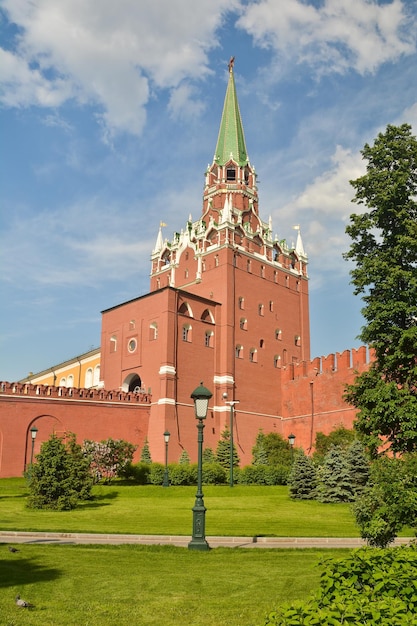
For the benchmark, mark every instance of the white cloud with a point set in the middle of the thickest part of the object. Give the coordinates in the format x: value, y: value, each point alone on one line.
x: 339, y: 35
x: 107, y: 54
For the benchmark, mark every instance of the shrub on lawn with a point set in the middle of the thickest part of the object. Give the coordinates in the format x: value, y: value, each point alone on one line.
x: 263, y: 475
x: 180, y: 474
x: 156, y: 473
x: 214, y: 474
x: 61, y: 475
x: 138, y: 472
x: 371, y: 586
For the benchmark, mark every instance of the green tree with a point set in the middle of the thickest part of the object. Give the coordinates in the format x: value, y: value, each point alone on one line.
x: 359, y: 467
x: 384, y: 251
x: 223, y: 451
x: 209, y: 455
x: 335, y: 484
x: 302, y: 480
x: 340, y: 437
x: 145, y: 455
x: 271, y: 449
x: 391, y: 502
x: 61, y: 475
x: 259, y: 453
x: 184, y: 458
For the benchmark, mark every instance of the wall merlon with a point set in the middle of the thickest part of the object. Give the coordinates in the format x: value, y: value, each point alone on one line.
x: 73, y: 393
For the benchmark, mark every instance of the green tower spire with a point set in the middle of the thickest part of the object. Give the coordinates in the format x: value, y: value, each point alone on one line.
x: 231, y: 140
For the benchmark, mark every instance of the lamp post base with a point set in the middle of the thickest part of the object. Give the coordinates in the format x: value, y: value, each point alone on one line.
x: 198, y: 540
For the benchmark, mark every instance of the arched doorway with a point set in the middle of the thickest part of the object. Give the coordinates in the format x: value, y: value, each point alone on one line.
x: 132, y: 383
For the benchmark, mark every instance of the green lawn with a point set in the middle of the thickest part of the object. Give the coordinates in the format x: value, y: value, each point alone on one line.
x: 151, y: 586
x: 237, y: 511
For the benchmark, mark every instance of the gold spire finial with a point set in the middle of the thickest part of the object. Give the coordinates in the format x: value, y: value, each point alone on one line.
x: 231, y: 63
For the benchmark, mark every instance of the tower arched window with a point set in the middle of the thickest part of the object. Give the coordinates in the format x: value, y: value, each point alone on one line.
x: 209, y: 339
x: 241, y: 303
x: 261, y: 309
x: 153, y: 331
x: 277, y: 361
x: 278, y: 334
x: 243, y: 323
x: 239, y: 351
x: 253, y: 355
x: 185, y: 309
x: 113, y: 343
x: 186, y: 333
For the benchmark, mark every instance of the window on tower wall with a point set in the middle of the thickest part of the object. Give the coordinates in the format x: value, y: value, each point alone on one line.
x: 297, y: 340
x: 243, y: 323
x: 278, y: 334
x: 239, y: 351
x: 241, y: 303
x: 253, y: 355
x: 113, y: 343
x: 153, y: 331
x: 277, y: 361
x: 230, y: 174
x: 261, y: 309
x: 208, y: 340
x: 186, y: 333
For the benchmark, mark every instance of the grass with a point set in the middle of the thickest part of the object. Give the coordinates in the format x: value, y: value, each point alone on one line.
x: 131, y: 509
x: 151, y: 586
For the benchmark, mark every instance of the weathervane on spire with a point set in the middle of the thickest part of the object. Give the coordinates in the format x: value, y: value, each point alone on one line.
x: 231, y: 63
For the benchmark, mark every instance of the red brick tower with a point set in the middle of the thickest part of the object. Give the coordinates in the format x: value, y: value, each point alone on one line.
x: 228, y: 305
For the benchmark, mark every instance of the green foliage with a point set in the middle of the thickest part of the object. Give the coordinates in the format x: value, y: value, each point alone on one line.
x: 359, y: 467
x: 108, y: 458
x: 263, y: 475
x: 184, y: 458
x: 182, y: 474
x: 384, y: 251
x: 145, y: 455
x: 334, y: 478
x: 302, y: 480
x: 208, y: 456
x: 391, y: 502
x: 156, y: 474
x: 214, y: 474
x: 61, y: 475
x: 371, y: 586
x: 340, y: 437
x: 137, y: 472
x: 223, y: 451
x: 271, y: 449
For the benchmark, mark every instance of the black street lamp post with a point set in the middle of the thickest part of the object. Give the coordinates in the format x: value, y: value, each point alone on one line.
x: 231, y: 403
x: 33, y: 432
x: 291, y: 441
x: 166, y: 477
x: 201, y: 397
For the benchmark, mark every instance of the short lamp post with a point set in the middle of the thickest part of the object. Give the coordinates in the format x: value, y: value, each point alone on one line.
x: 33, y: 433
x: 201, y: 397
x: 166, y: 477
x: 291, y: 441
x: 231, y: 403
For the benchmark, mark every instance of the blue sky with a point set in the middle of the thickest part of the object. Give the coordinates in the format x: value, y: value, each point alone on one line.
x: 110, y: 113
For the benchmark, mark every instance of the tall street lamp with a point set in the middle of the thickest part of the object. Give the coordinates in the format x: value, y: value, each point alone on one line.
x: 291, y: 441
x: 231, y: 403
x: 166, y: 477
x: 33, y: 433
x: 201, y: 397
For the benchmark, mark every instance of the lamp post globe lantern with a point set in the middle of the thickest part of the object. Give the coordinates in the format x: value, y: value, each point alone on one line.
x: 167, y: 435
x: 201, y: 396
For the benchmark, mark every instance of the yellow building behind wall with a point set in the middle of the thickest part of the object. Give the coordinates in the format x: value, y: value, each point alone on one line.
x: 83, y: 371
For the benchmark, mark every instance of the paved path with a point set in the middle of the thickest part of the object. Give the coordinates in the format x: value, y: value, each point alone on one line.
x: 182, y: 541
